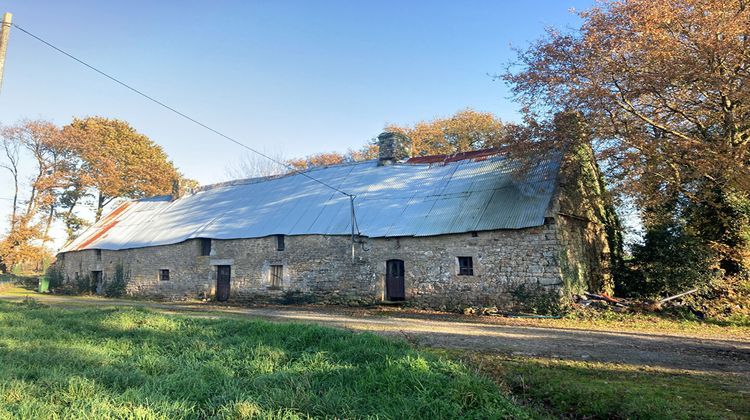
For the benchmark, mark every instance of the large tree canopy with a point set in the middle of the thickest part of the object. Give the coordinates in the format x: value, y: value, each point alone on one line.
x: 55, y: 170
x: 117, y: 161
x: 665, y: 88
x: 464, y: 131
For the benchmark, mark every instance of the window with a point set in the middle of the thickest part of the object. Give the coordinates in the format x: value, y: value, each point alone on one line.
x: 276, y: 276
x: 164, y: 275
x: 205, y: 247
x: 279, y: 242
x: 465, y: 266
x: 474, y: 234
x: 98, y: 254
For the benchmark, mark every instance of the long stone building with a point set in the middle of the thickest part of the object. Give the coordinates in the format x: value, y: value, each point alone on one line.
x: 477, y: 228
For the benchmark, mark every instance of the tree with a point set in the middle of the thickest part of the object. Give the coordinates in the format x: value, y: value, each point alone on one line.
x: 252, y: 165
x: 28, y: 233
x: 317, y: 160
x: 20, y: 244
x: 117, y: 161
x: 466, y: 130
x: 665, y: 89
x: 11, y: 162
x: 366, y: 152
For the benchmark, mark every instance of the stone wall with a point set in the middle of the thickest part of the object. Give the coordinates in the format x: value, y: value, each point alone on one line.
x: 584, y: 215
x: 320, y: 268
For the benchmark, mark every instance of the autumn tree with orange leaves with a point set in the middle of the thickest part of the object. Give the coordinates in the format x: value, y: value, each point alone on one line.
x: 664, y: 87
x: 97, y: 157
x: 117, y: 161
x: 41, y: 145
x: 464, y: 131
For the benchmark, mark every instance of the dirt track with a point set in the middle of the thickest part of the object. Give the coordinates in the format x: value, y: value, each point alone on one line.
x: 642, y: 349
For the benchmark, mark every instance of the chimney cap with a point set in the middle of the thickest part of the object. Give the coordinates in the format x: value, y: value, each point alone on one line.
x: 393, y: 147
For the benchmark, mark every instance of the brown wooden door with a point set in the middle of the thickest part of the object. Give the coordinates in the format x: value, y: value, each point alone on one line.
x: 223, y: 274
x: 97, y: 280
x: 394, y: 280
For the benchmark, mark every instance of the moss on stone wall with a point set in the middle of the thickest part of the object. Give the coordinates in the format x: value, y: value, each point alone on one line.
x: 589, y: 229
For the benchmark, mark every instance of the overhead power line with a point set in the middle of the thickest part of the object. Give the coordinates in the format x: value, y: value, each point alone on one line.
x: 181, y: 114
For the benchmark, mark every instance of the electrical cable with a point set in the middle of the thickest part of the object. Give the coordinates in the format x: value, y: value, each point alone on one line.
x: 181, y: 114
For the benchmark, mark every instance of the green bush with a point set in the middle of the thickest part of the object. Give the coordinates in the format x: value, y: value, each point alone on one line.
x: 296, y: 297
x: 670, y: 260
x: 118, y: 285
x: 726, y: 298
x: 84, y: 284
x: 537, y: 299
x: 55, y: 276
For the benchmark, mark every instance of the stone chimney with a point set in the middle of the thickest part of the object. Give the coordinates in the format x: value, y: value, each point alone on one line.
x: 175, y: 189
x: 394, y: 147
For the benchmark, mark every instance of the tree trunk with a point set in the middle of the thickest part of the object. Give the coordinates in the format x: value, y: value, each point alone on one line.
x: 15, y: 201
x: 48, y: 223
x: 99, y: 207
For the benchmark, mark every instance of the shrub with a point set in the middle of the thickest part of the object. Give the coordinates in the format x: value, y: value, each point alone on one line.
x: 723, y: 298
x: 537, y: 299
x: 670, y: 260
x: 84, y: 284
x: 296, y: 297
x: 55, y: 276
x: 119, y: 283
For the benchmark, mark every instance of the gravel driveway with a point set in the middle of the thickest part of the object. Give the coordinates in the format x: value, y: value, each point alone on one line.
x: 642, y: 349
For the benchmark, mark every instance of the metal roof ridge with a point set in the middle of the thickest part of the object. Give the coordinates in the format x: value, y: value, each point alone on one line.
x: 259, y: 179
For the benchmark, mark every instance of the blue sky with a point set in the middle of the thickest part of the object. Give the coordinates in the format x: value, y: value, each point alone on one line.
x: 283, y: 76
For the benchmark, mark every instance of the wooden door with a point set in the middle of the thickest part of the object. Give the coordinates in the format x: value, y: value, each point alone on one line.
x: 223, y: 274
x: 97, y: 280
x: 394, y: 280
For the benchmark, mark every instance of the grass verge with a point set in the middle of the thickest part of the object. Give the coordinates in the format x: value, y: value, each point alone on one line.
x: 104, y: 363
x: 576, y: 389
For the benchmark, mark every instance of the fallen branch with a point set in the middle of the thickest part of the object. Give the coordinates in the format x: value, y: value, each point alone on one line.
x: 607, y: 299
x: 678, y: 296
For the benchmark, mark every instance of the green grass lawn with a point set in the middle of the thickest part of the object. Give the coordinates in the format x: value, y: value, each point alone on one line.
x: 131, y: 363
x: 90, y: 362
x: 578, y: 389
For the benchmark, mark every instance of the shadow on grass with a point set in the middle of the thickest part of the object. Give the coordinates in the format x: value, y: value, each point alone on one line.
x: 115, y: 362
x: 26, y: 283
x: 605, y: 390
x: 634, y: 348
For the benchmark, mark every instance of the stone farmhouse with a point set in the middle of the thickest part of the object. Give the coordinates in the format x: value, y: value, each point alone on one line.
x: 445, y: 232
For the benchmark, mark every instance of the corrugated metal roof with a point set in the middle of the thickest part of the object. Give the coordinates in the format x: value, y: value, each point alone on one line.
x: 405, y: 199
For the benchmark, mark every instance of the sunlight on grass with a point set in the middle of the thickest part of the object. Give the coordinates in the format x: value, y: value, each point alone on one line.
x: 100, y: 363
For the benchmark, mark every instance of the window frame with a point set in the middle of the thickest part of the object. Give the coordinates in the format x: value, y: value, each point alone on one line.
x: 206, y: 246
x: 276, y: 276
x: 280, y: 242
x: 163, y: 271
x: 465, y: 265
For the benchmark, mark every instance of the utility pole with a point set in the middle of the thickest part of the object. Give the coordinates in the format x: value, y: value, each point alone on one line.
x: 4, y: 34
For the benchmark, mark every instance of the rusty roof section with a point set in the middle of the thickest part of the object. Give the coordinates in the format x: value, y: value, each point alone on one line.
x: 473, y: 155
